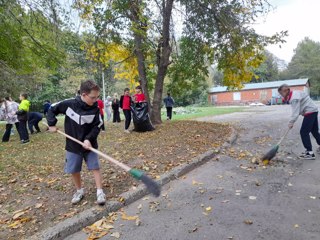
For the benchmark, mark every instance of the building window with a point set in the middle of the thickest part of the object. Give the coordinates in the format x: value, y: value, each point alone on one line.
x: 236, y: 96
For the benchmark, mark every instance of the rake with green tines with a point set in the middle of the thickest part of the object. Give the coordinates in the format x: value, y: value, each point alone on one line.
x: 152, y: 186
x: 273, y: 151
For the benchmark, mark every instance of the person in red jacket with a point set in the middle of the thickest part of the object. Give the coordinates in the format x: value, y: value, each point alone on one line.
x: 101, y: 108
x: 139, y: 96
x: 125, y: 103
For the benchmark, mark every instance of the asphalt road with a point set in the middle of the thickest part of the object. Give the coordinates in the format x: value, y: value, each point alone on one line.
x: 226, y: 200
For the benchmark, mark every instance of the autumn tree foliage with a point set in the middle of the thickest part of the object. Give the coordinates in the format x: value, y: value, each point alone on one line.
x: 220, y: 31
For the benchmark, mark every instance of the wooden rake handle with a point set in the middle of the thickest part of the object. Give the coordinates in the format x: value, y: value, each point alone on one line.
x: 101, y: 154
x: 283, y: 137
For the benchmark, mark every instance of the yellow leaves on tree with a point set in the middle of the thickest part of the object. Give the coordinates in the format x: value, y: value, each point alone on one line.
x: 238, y: 67
x: 119, y: 57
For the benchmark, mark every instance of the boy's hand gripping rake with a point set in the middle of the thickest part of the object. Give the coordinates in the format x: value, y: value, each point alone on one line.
x: 273, y: 151
x: 151, y: 185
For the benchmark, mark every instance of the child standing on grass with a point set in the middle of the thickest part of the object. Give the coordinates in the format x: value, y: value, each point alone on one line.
x: 83, y: 122
x: 302, y: 104
x: 107, y: 105
x: 125, y: 103
x: 22, y: 113
x: 9, y: 109
x: 169, y: 102
x: 115, y: 108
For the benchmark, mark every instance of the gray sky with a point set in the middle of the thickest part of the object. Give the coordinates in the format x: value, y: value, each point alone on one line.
x: 300, y: 17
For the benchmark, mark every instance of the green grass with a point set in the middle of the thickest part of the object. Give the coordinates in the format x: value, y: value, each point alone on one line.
x: 197, y: 112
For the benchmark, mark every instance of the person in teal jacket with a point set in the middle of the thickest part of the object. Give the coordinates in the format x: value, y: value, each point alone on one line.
x: 22, y: 113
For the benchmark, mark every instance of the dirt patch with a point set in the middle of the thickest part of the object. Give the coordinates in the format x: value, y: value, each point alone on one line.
x: 36, y: 194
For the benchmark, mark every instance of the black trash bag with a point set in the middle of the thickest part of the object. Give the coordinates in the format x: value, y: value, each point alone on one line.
x: 141, y: 119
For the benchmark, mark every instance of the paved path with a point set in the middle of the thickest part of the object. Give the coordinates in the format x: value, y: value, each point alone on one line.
x: 281, y: 201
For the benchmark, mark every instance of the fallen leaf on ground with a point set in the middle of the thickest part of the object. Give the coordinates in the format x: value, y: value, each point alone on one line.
x: 67, y: 215
x: 102, y: 224
x: 193, y: 230
x: 249, y: 222
x: 38, y: 205
x: 252, y: 197
x: 115, y: 235
x: 97, y: 235
x: 195, y: 183
x: 254, y: 160
x: 18, y: 215
x: 296, y: 225
x: 98, y: 229
x: 12, y: 181
x: 18, y: 223
x: 313, y: 197
x: 138, y: 222
x: 139, y: 207
x: 208, y: 209
x: 129, y: 218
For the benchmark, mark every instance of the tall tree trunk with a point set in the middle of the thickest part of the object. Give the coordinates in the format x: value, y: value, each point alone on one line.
x: 141, y: 65
x: 139, y: 32
x: 163, y: 61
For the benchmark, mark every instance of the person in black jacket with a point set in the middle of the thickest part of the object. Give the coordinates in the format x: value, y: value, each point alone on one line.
x: 83, y: 122
x: 169, y: 103
x: 115, y: 108
x: 33, y: 121
x: 125, y: 104
x: 46, y: 107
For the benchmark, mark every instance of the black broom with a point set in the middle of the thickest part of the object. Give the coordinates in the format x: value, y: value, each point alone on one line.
x: 273, y: 151
x: 151, y: 185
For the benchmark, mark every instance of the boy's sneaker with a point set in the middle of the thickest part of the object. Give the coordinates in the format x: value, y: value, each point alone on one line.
x: 101, y: 198
x: 77, y: 197
x: 25, y: 141
x: 126, y: 131
x: 307, y: 156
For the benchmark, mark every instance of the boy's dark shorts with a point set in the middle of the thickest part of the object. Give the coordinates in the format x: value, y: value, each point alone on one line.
x: 74, y: 161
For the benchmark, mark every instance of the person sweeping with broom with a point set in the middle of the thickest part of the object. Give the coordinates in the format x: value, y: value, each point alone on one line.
x: 302, y: 104
x: 82, y: 122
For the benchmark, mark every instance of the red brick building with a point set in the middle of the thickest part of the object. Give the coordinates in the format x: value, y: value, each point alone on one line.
x: 254, y: 92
